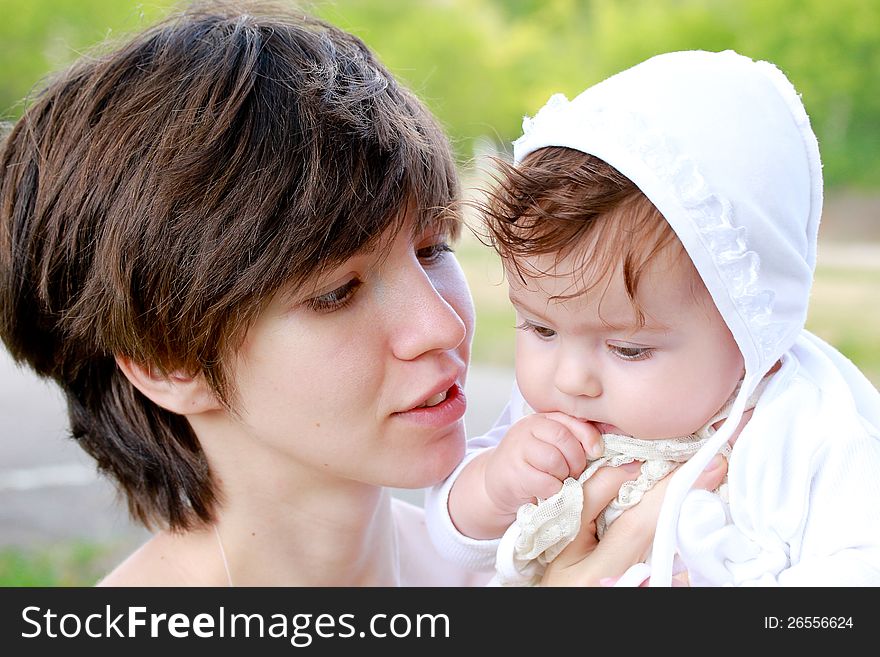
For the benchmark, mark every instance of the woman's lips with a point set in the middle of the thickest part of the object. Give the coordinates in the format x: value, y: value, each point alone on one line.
x: 447, y: 412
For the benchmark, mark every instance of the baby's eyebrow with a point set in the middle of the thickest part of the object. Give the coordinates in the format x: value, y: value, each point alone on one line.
x: 519, y: 303
x: 629, y: 326
x: 633, y: 326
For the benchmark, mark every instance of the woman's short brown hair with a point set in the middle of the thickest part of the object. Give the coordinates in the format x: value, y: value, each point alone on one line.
x: 559, y: 200
x: 153, y: 198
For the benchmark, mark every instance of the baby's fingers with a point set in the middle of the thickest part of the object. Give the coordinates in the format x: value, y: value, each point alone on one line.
x: 556, y: 449
x: 584, y: 432
x: 535, y: 483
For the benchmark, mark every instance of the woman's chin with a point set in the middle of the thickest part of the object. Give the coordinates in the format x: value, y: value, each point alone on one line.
x: 430, y: 467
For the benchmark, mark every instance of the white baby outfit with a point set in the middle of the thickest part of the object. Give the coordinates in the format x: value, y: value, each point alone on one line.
x: 723, y: 147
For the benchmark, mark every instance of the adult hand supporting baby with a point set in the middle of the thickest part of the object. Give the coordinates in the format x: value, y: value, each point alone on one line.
x: 586, y: 560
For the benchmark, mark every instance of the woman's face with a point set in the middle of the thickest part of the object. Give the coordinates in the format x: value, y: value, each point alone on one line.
x: 335, y: 378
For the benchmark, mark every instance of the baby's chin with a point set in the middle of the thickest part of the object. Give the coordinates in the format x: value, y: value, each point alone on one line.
x: 606, y: 429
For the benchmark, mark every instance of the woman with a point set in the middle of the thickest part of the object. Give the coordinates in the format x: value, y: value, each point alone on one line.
x: 228, y: 242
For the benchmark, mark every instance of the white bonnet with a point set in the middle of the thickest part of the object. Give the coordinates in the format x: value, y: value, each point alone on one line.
x: 723, y: 148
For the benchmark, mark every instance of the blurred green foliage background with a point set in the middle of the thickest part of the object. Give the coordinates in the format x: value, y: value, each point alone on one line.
x: 482, y: 64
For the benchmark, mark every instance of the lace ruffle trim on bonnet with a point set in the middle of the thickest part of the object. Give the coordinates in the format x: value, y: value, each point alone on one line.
x: 709, y: 212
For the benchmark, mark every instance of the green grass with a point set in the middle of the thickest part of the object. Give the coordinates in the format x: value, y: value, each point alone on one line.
x: 70, y: 563
x: 845, y: 311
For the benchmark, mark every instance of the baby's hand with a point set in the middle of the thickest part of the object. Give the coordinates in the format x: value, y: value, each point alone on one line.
x: 537, y: 454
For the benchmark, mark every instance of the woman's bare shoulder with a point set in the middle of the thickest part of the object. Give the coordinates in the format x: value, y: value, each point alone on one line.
x: 420, y: 563
x: 166, y: 559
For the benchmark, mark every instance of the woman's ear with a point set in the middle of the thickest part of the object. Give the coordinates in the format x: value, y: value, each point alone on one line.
x: 177, y: 392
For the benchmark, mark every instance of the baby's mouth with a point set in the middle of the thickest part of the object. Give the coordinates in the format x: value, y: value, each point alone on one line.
x: 604, y: 427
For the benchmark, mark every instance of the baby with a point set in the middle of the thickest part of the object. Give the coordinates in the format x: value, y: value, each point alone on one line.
x: 659, y: 237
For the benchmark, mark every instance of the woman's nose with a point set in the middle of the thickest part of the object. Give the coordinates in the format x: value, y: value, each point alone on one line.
x: 426, y: 321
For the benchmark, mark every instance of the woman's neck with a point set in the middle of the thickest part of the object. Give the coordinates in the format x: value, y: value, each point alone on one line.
x: 284, y: 520
x: 330, y: 533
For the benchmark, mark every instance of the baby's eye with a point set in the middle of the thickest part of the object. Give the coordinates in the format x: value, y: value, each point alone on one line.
x: 540, y: 331
x: 433, y: 253
x: 335, y: 299
x: 630, y: 353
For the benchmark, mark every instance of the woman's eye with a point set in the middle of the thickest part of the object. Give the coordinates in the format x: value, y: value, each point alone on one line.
x: 631, y: 353
x: 335, y: 299
x: 433, y: 253
x: 540, y: 331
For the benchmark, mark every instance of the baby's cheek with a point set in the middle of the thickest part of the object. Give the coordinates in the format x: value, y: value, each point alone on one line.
x: 531, y: 385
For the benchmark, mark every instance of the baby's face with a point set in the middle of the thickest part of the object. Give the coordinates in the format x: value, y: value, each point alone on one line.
x: 588, y: 357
